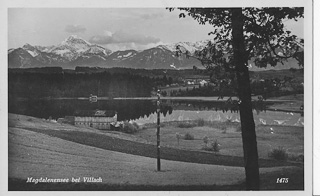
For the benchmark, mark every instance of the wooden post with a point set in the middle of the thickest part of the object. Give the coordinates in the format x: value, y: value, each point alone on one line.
x: 158, y: 132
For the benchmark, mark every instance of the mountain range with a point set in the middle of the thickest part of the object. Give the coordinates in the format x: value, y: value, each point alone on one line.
x: 75, y: 51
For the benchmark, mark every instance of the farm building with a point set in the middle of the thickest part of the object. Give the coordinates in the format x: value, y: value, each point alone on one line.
x: 99, y: 119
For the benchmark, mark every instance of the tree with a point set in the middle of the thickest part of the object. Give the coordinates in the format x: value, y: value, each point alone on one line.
x: 242, y: 34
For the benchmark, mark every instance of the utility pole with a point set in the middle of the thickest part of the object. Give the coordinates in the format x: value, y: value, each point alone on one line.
x: 158, y: 132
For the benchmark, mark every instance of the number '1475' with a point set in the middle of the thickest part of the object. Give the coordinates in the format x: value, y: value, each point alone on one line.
x: 282, y: 180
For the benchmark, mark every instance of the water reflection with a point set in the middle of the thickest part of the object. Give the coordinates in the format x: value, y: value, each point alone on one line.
x: 144, y: 111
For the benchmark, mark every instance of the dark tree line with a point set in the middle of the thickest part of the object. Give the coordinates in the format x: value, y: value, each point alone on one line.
x: 30, y: 85
x: 45, y: 108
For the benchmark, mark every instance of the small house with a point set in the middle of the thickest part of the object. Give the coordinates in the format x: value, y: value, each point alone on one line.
x: 98, y: 119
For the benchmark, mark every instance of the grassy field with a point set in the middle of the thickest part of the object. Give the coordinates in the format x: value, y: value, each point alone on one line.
x: 268, y: 182
x: 43, y: 148
x: 228, y: 136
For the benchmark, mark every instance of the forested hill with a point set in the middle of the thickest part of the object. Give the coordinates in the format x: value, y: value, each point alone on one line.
x: 36, y: 85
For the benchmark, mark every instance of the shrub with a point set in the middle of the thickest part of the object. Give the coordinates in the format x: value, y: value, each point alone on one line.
x: 215, y: 146
x: 188, y: 136
x: 200, y: 122
x: 205, y: 139
x: 185, y: 125
x: 130, y: 127
x: 278, y: 154
x: 212, y: 146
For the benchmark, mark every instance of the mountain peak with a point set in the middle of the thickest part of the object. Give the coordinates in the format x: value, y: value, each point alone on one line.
x: 27, y: 46
x: 74, y: 39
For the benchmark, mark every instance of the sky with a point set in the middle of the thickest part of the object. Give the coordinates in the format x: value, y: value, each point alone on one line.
x: 113, y: 28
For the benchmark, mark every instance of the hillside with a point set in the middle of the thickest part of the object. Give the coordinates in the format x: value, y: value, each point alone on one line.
x: 34, y: 154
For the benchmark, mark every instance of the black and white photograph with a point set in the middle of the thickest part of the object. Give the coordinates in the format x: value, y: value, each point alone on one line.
x: 160, y: 97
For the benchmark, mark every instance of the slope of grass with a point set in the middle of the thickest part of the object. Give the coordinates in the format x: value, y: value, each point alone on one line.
x: 268, y: 181
x: 148, y: 150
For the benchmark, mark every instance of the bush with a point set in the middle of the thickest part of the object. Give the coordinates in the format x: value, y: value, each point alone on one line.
x: 212, y: 146
x: 188, y: 136
x: 215, y: 146
x: 279, y: 154
x: 130, y: 127
x: 185, y: 125
x: 205, y: 139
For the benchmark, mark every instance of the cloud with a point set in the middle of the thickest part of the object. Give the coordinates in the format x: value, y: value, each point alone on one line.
x: 75, y: 29
x: 122, y: 37
x: 131, y: 46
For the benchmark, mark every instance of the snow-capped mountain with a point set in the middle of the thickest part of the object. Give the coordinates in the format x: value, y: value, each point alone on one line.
x: 190, y: 46
x: 75, y: 51
x: 122, y: 55
x: 73, y: 47
x: 72, y: 50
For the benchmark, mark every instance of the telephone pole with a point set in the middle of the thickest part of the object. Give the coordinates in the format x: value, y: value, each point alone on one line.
x: 158, y: 131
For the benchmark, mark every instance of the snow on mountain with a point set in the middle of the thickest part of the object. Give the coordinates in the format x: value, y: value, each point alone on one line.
x: 31, y: 50
x: 95, y: 49
x: 44, y: 48
x: 190, y: 46
x: 122, y: 55
x: 74, y: 51
x: 71, y: 47
x: 10, y: 50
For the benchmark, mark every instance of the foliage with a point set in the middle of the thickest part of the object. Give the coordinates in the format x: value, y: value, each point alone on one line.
x: 130, y: 127
x: 186, y: 124
x: 266, y: 40
x: 79, y: 85
x: 242, y: 34
x: 215, y: 146
x: 264, y: 33
x: 278, y: 154
x: 211, y: 146
x: 205, y: 139
x: 188, y: 136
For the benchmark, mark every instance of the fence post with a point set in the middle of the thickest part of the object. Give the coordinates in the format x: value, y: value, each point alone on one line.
x: 158, y: 132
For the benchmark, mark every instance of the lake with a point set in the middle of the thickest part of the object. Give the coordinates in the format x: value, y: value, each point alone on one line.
x: 144, y: 111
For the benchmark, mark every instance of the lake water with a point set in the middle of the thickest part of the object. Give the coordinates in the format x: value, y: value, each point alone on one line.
x: 144, y: 111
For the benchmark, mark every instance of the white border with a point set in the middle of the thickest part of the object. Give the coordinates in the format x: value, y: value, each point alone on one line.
x: 316, y: 106
x: 4, y: 4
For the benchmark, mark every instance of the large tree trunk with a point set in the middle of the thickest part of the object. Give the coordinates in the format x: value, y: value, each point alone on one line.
x: 244, y: 91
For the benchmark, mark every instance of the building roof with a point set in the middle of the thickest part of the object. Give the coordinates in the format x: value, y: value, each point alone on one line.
x: 95, y: 113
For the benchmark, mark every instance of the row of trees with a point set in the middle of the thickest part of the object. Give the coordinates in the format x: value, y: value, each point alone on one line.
x: 79, y: 85
x: 45, y: 108
x: 266, y: 88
